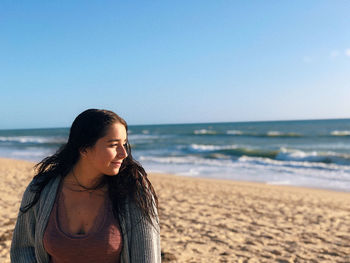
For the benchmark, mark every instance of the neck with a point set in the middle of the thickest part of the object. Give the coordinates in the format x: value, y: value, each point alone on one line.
x: 87, y: 186
x: 82, y: 176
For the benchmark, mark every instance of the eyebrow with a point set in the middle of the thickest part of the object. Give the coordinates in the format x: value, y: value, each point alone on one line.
x: 117, y: 140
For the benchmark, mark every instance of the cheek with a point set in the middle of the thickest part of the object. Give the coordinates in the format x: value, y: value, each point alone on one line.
x: 101, y: 157
x: 108, y: 154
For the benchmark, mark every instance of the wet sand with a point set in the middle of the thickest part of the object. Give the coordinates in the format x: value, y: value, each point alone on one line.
x: 207, y: 220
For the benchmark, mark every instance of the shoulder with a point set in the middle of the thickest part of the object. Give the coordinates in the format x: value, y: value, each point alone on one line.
x: 32, y: 191
x: 28, y: 195
x: 137, y: 217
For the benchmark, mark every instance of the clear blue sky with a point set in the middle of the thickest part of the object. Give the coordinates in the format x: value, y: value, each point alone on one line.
x: 173, y: 61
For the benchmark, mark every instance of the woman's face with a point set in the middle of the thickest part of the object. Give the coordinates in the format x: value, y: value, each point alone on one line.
x: 107, y: 155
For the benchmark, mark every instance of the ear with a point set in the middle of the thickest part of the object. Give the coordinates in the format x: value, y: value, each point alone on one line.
x: 83, y: 152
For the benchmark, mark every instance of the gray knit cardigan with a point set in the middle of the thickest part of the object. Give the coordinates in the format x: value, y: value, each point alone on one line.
x: 141, y: 240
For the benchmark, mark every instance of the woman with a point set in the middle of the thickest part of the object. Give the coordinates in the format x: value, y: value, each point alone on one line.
x: 90, y: 201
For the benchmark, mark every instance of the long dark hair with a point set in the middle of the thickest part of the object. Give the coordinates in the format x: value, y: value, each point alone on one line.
x: 131, y: 180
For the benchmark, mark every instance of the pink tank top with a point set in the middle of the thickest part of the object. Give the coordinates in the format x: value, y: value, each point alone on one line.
x: 103, y: 243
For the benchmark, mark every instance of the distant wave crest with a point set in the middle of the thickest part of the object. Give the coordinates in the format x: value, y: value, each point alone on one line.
x: 314, y: 156
x: 33, y: 139
x: 204, y: 131
x: 234, y: 132
x: 340, y: 133
x: 281, y: 134
x: 261, y: 161
x: 231, y: 150
x: 203, y: 147
x: 249, y: 134
x: 283, y: 154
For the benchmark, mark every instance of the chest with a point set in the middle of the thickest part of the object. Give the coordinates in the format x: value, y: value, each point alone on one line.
x: 79, y: 213
x: 82, y: 228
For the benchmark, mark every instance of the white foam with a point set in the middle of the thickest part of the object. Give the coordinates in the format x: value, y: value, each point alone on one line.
x: 274, y: 133
x: 142, y: 136
x: 30, y: 154
x: 33, y: 139
x: 340, y: 133
x: 296, y: 155
x: 191, y: 172
x: 204, y: 147
x: 281, y: 134
x: 155, y: 171
x: 193, y: 160
x: 313, y: 156
x: 295, y: 164
x: 279, y: 183
x: 246, y: 161
x: 234, y: 132
x: 259, y: 169
x: 204, y: 131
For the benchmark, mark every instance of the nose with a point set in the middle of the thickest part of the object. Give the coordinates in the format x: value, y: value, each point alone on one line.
x: 122, y: 153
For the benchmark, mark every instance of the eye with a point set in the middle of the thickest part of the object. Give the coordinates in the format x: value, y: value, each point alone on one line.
x: 125, y: 145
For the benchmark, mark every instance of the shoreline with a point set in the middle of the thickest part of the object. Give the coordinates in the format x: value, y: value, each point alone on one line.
x: 224, y: 179
x: 247, y: 183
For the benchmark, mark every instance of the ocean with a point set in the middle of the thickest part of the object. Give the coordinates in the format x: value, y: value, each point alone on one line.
x: 312, y: 153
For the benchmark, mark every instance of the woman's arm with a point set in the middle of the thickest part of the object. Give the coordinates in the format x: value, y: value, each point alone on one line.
x: 23, y: 240
x: 145, y: 237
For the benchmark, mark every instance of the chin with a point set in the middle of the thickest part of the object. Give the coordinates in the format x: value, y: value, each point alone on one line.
x: 112, y: 174
x: 115, y: 172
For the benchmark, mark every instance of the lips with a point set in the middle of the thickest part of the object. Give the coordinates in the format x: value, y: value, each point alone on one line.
x: 117, y: 163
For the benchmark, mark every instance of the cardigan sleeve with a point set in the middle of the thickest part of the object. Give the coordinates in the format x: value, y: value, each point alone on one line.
x: 23, y: 240
x: 145, y: 237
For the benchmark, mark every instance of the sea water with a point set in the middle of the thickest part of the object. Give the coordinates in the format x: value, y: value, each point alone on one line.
x: 314, y: 153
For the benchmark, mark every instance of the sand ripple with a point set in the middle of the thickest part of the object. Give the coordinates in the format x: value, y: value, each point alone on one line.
x: 222, y: 221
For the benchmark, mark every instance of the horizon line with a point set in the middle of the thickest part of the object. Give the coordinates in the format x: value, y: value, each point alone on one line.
x: 184, y: 123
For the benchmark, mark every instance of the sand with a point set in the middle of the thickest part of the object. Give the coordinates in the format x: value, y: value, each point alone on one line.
x: 206, y: 220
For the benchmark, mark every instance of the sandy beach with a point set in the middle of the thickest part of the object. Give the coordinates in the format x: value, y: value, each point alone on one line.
x: 206, y: 220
